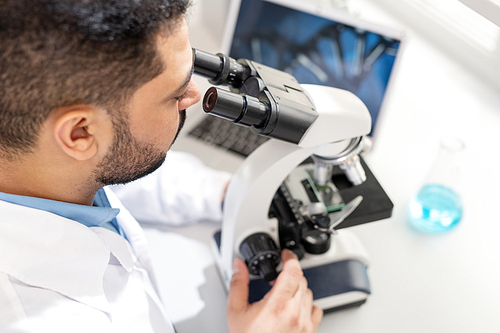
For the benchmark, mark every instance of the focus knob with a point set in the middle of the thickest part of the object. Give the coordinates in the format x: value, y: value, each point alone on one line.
x: 261, y: 255
x: 315, y: 241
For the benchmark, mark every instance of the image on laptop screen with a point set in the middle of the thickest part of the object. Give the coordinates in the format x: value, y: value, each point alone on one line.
x: 316, y: 50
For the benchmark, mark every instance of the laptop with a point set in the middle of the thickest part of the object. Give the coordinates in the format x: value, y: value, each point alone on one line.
x: 315, y: 45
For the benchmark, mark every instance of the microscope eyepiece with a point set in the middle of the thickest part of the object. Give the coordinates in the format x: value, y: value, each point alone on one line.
x: 241, y: 109
x: 220, y: 69
x: 210, y: 100
x: 206, y: 64
x: 269, y: 101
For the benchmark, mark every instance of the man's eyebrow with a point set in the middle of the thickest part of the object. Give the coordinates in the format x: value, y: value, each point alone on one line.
x: 185, y: 83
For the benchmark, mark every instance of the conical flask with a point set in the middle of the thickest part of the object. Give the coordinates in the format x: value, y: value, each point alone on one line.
x: 437, y: 207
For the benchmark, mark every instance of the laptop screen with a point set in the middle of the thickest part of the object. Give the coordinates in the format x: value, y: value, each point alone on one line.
x: 332, y: 49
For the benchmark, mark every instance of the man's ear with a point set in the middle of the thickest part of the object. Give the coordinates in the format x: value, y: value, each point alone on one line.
x: 74, y: 131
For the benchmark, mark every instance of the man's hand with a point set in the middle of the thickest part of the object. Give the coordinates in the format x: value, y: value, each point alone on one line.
x: 287, y: 307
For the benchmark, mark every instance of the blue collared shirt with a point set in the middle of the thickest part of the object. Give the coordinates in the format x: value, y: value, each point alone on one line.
x: 99, y: 215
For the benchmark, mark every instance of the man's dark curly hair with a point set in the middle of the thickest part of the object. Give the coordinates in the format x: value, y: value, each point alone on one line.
x: 56, y: 53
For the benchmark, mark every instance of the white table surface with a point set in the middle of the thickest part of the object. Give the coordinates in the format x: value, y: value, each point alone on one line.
x: 420, y: 282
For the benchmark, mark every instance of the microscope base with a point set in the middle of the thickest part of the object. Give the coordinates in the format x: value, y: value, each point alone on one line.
x: 335, y: 285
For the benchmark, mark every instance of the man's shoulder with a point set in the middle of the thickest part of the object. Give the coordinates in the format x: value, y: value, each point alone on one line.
x: 47, y: 251
x: 21, y: 225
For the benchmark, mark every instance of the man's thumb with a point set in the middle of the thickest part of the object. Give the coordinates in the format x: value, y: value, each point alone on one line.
x: 237, y: 299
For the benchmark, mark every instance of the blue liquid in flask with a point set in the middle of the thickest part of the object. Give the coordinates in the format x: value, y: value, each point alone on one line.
x: 435, y: 209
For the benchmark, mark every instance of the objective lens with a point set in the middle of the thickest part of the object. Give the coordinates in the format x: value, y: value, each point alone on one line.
x: 354, y: 171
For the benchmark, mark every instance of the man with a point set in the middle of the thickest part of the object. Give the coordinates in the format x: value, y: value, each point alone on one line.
x: 93, y: 93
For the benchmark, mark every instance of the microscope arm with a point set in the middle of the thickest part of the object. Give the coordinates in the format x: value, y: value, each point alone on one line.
x: 342, y: 116
x: 327, y: 124
x: 254, y: 184
x: 323, y: 122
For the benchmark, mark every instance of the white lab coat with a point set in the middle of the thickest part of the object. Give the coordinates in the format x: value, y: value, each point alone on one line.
x: 60, y: 276
x: 182, y: 191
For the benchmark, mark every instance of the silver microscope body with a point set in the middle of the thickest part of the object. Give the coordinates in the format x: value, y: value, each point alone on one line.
x: 275, y: 199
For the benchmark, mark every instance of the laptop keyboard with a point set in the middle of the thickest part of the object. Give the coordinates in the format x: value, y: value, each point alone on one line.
x: 224, y: 134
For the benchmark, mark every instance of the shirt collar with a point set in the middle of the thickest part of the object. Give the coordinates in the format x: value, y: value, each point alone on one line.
x: 90, y: 216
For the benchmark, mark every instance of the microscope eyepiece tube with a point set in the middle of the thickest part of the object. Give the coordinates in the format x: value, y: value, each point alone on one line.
x: 206, y: 64
x: 240, y: 109
x: 219, y: 68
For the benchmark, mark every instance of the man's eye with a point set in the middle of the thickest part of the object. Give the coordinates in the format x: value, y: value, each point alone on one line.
x: 180, y: 97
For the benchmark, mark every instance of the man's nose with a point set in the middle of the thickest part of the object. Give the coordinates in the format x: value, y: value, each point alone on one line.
x: 192, y: 96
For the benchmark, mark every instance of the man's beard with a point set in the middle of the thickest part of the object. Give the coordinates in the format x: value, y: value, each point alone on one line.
x: 128, y: 158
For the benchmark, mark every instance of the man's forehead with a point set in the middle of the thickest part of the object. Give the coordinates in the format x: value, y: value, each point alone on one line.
x: 176, y: 54
x: 175, y: 49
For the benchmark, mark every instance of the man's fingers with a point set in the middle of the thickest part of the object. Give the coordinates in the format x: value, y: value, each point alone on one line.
x: 306, y: 295
x: 316, y: 316
x: 238, y: 291
x: 289, y: 279
x: 287, y: 254
x: 302, y: 291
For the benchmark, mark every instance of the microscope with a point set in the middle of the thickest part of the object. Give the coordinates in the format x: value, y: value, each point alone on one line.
x: 300, y: 190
